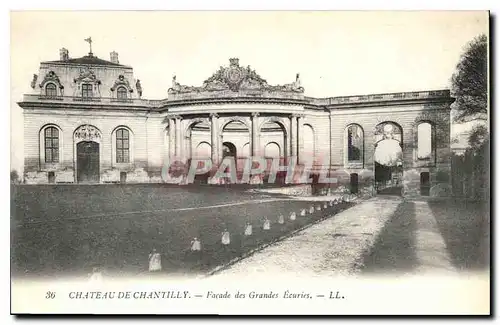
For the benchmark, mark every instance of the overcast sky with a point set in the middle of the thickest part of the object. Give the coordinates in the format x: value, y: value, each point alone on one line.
x: 336, y: 53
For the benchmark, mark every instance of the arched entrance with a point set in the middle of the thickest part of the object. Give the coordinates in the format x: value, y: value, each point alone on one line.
x: 229, y: 150
x: 87, y: 140
x: 276, y: 141
x: 388, y: 158
x: 235, y: 135
x: 198, y: 140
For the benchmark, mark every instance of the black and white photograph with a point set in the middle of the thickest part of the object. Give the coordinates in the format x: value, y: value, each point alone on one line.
x: 250, y: 162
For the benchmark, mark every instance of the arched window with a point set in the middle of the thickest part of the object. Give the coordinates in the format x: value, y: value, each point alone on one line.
x: 51, y: 145
x: 121, y: 93
x: 354, y: 143
x: 51, y: 90
x: 424, y: 141
x: 87, y: 91
x: 122, y: 146
x: 309, y: 141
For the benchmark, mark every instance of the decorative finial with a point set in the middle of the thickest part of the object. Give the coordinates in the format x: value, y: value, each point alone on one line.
x: 89, y: 40
x: 234, y: 61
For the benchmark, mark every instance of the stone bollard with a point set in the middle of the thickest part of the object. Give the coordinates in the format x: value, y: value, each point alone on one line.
x: 318, y: 207
x: 325, y: 205
x: 96, y: 275
x: 248, y: 229
x: 281, y: 219
x: 311, y: 209
x: 154, y: 261
x: 302, y: 212
x: 195, y: 245
x: 292, y: 216
x: 267, y: 224
x: 226, y: 238
x: 331, y: 203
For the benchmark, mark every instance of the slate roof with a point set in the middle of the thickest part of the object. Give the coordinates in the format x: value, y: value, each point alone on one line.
x: 88, y: 59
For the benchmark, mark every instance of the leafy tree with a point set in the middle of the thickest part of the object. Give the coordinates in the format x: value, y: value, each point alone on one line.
x: 470, y: 82
x: 478, y: 136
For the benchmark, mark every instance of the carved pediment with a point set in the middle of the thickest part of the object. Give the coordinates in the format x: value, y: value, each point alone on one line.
x: 122, y: 81
x: 236, y: 78
x: 87, y: 75
x: 51, y: 76
x: 87, y: 133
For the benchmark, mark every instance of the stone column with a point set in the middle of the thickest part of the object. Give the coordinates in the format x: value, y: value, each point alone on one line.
x: 332, y: 143
x: 171, y: 138
x: 293, y: 135
x: 255, y: 135
x: 178, y: 136
x: 300, y: 139
x: 214, y: 132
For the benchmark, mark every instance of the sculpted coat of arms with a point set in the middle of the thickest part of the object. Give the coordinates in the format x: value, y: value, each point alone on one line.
x: 236, y: 78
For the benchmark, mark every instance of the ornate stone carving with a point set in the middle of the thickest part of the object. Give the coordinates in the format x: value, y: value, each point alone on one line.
x: 33, y: 82
x: 87, y: 133
x: 178, y: 88
x: 51, y: 76
x: 121, y: 81
x: 236, y: 78
x: 87, y: 75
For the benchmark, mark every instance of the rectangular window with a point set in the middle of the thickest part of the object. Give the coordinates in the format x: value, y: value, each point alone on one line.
x: 354, y: 144
x: 87, y: 91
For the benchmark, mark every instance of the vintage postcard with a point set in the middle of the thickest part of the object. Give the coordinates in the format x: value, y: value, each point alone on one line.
x: 250, y: 162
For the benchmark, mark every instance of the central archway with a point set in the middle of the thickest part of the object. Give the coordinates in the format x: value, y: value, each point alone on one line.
x: 388, y: 158
x: 235, y: 137
x: 229, y: 150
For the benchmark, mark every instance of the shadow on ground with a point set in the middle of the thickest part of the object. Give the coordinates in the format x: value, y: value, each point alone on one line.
x: 465, y: 228
x: 394, y: 250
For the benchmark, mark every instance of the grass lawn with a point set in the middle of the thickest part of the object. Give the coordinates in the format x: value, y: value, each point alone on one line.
x: 69, y: 229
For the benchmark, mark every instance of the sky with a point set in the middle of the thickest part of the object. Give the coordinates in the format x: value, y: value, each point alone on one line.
x: 337, y: 53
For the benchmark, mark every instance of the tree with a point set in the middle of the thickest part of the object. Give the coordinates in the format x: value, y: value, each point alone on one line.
x: 478, y: 136
x: 470, y: 82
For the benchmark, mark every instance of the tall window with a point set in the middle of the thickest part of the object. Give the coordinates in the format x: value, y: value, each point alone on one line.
x: 354, y: 143
x: 87, y: 90
x: 51, y: 90
x: 51, y: 145
x: 424, y: 141
x: 122, y: 146
x: 121, y: 93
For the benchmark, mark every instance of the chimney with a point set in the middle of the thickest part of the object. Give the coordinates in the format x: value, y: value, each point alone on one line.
x: 64, y: 54
x: 114, y: 57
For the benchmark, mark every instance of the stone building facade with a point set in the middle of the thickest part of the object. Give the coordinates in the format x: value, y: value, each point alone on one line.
x: 85, y: 121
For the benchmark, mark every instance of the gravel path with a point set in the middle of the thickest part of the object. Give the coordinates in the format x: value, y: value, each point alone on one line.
x: 332, y: 247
